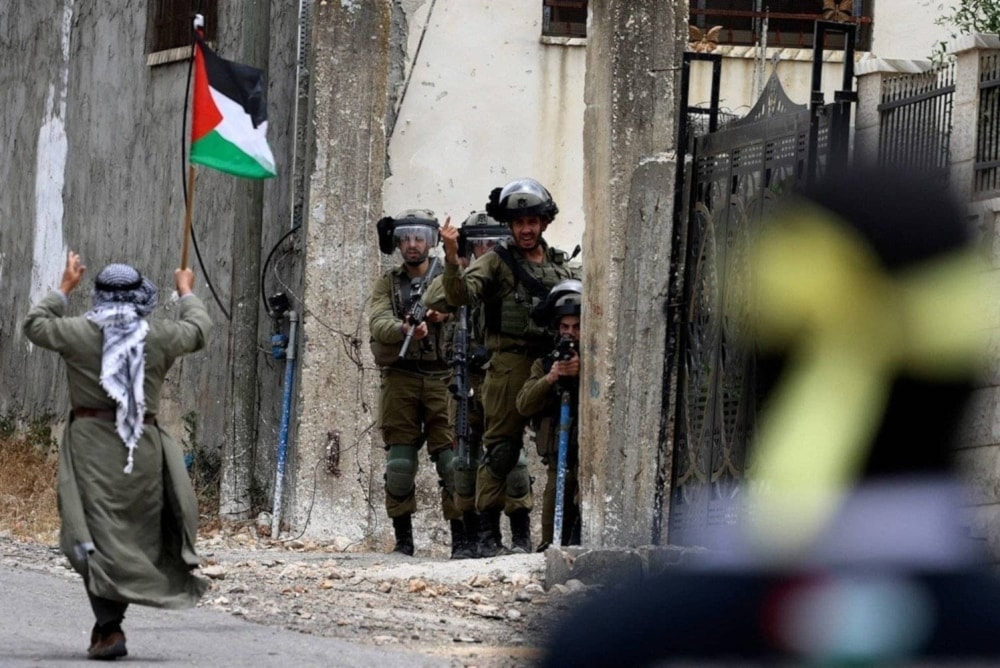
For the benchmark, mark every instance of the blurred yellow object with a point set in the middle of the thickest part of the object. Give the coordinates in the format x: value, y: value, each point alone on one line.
x: 849, y: 328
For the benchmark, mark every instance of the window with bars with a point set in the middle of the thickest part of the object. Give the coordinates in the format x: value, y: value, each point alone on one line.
x: 564, y: 18
x: 787, y: 23
x: 169, y: 23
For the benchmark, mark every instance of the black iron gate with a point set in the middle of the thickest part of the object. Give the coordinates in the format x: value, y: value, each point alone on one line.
x: 735, y: 177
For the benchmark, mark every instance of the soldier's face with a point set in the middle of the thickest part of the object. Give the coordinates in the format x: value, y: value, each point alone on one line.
x: 413, y: 248
x: 527, y: 231
x: 569, y: 325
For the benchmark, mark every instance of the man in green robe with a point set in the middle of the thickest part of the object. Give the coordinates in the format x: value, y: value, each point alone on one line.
x: 129, y: 514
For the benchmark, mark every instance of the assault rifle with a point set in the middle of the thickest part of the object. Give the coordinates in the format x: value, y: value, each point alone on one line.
x: 566, y: 347
x: 460, y: 390
x: 418, y: 309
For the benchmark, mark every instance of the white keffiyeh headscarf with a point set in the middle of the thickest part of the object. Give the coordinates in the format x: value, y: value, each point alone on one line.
x: 122, y: 299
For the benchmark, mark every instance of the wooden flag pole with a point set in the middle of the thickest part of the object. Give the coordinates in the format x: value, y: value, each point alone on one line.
x: 187, y: 217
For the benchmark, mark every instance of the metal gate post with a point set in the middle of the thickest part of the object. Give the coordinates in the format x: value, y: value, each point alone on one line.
x: 840, y: 122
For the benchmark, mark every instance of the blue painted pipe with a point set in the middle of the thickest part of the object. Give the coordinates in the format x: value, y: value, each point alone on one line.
x: 286, y: 413
x: 564, y: 429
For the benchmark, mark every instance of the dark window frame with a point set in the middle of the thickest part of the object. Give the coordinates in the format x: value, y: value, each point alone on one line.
x: 564, y: 18
x: 789, y: 22
x: 169, y: 23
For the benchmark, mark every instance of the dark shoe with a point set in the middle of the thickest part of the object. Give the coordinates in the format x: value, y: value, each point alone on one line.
x: 470, y: 520
x: 490, y: 544
x: 403, y: 526
x: 95, y: 636
x: 461, y: 546
x: 107, y: 643
x: 520, y: 532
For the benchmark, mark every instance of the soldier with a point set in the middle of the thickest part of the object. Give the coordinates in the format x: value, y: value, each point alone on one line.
x: 478, y: 235
x: 508, y: 282
x: 540, y: 398
x: 413, y: 401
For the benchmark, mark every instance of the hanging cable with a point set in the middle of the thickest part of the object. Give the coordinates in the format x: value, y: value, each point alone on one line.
x: 406, y: 85
x: 263, y: 270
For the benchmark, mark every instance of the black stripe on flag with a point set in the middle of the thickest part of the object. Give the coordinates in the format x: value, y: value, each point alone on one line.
x: 244, y: 84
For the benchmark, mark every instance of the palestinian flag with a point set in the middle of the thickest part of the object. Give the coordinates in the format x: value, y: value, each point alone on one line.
x: 229, y: 121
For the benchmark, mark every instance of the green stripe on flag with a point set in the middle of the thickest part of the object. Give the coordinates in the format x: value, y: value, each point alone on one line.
x: 214, y: 151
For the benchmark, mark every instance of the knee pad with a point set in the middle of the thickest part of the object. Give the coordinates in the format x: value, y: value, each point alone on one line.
x: 518, y: 481
x: 502, y: 458
x: 444, y: 462
x: 401, y: 470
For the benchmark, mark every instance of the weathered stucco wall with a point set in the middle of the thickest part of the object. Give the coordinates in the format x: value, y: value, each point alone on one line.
x: 93, y: 136
x: 487, y: 102
x: 634, y: 50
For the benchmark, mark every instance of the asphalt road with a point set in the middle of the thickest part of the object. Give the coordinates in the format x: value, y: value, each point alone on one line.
x: 45, y: 620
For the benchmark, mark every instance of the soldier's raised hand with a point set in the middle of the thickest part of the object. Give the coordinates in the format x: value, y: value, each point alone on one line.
x: 449, y: 235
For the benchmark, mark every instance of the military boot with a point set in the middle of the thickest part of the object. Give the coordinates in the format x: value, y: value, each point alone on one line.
x: 470, y: 519
x: 462, y: 547
x: 490, y: 544
x: 403, y: 527
x: 520, y: 532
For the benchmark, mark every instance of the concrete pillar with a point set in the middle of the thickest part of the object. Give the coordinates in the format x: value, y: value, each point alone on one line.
x: 965, y: 109
x: 634, y: 51
x: 333, y: 475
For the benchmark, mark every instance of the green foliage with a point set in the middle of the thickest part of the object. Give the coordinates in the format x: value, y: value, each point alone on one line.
x: 8, y: 426
x: 36, y: 431
x: 964, y: 18
x: 973, y: 16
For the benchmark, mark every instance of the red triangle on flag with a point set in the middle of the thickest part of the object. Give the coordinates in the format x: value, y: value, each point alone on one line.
x: 205, y: 114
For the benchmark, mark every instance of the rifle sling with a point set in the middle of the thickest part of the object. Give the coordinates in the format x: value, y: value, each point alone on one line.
x: 535, y: 287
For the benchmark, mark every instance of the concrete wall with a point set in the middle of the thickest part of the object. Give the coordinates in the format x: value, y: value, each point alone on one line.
x: 634, y: 51
x: 336, y: 472
x: 93, y: 139
x: 908, y: 29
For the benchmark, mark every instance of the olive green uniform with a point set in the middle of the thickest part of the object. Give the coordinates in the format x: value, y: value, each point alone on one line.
x: 413, y: 399
x: 540, y: 401
x: 514, y: 341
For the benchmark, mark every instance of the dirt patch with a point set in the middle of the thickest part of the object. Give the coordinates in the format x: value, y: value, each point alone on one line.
x: 28, y: 466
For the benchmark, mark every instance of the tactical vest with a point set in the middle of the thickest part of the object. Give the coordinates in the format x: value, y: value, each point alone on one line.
x: 512, y: 316
x: 427, y: 354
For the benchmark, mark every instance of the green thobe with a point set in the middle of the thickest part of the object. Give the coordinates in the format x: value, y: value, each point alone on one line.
x: 132, y: 536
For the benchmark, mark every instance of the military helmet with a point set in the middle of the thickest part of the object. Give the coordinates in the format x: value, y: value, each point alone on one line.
x: 414, y: 223
x: 565, y: 298
x: 521, y: 198
x: 482, y: 232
